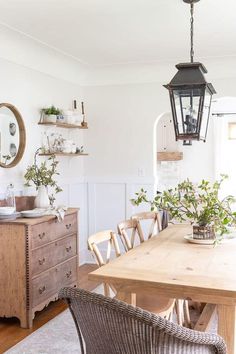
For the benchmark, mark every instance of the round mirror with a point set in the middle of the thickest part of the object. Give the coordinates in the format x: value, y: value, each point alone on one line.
x: 12, y: 135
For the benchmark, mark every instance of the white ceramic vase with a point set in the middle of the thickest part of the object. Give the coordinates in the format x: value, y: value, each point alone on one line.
x: 42, y: 200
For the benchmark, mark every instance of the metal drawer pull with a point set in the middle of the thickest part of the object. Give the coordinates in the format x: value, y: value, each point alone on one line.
x: 42, y: 289
x: 41, y: 236
x: 68, y: 226
x: 68, y: 249
x: 69, y: 274
x: 41, y: 261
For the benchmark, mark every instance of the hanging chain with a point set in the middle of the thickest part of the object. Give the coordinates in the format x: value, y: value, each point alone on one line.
x: 191, y: 31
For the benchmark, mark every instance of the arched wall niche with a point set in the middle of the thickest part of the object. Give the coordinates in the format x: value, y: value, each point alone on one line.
x: 224, y: 112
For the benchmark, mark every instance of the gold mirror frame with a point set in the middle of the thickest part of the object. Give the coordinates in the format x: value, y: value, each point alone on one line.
x: 22, y: 135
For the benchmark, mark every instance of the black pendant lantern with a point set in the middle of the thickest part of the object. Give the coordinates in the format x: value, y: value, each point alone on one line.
x: 190, y: 97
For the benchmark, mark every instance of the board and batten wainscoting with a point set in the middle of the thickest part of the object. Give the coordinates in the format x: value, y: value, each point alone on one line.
x: 109, y: 202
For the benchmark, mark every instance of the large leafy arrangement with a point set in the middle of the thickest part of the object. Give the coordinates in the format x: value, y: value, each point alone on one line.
x: 197, y: 203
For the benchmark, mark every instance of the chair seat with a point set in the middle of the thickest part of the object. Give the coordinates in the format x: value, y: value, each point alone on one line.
x: 156, y: 304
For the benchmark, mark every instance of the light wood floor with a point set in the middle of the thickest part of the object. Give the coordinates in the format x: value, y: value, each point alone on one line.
x: 10, y: 331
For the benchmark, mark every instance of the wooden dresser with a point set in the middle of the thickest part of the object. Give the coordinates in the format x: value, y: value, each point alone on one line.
x: 37, y: 258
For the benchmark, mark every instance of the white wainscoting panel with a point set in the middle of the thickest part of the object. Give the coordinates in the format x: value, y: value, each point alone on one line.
x: 109, y: 203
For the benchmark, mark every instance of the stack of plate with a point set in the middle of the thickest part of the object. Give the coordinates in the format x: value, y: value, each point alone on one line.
x: 8, y: 213
x: 34, y: 213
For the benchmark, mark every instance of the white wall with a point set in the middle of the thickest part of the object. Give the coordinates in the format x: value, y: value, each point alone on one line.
x: 25, y: 51
x: 29, y: 89
x: 122, y: 121
x: 121, y: 111
x: 122, y: 118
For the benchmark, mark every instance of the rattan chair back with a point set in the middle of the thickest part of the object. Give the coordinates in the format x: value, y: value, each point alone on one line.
x: 110, y: 326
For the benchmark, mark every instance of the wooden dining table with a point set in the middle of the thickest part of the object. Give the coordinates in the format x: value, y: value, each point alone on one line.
x: 170, y: 266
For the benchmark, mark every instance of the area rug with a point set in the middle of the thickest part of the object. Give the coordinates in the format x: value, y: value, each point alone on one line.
x: 58, y: 336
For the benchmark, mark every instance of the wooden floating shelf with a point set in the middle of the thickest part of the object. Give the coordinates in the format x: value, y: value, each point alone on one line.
x: 64, y: 125
x: 169, y: 156
x: 63, y: 154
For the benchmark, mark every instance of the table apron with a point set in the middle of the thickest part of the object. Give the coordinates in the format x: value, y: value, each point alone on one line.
x: 176, y: 292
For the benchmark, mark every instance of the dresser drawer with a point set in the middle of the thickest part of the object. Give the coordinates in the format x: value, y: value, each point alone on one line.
x: 53, y: 229
x: 51, y: 254
x: 53, y: 280
x: 43, y: 233
x: 66, y: 226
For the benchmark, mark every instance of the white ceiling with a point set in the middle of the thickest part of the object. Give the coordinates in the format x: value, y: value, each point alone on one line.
x: 108, y: 32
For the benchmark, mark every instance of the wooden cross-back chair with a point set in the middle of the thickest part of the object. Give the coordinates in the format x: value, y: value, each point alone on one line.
x: 155, y: 218
x: 156, y: 304
x: 109, y: 239
x: 136, y: 233
x: 162, y: 306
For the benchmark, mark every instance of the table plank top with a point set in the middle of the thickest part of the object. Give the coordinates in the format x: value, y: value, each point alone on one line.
x: 168, y: 261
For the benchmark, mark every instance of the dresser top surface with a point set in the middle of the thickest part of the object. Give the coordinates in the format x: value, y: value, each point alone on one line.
x: 33, y: 221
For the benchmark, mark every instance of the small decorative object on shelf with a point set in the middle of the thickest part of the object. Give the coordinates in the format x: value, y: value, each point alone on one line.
x: 84, y: 124
x: 198, y: 204
x: 68, y: 118
x: 54, y: 143
x: 50, y: 114
x: 78, y: 118
x: 80, y: 150
x: 42, y: 177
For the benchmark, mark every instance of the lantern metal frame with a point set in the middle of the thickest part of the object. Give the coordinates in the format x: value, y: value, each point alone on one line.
x: 189, y: 82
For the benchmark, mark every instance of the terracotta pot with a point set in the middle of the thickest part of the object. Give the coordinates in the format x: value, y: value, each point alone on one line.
x: 203, y: 232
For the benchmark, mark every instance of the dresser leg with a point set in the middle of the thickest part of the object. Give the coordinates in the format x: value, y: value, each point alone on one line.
x: 26, y: 322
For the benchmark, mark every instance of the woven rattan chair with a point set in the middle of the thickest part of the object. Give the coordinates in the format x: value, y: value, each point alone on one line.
x: 110, y: 326
x: 107, y: 241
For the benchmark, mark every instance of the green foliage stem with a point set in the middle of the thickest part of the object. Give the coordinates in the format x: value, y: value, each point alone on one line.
x: 196, y: 203
x: 51, y: 110
x: 43, y: 174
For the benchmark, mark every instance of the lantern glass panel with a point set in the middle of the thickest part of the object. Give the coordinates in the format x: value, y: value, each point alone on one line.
x: 205, y: 114
x: 187, y: 107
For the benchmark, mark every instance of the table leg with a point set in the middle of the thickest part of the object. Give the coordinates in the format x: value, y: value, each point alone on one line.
x: 129, y: 298
x: 227, y: 326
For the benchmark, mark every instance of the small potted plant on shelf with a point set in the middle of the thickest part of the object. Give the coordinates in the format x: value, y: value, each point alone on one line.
x: 42, y: 177
x: 50, y: 114
x: 198, y: 204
